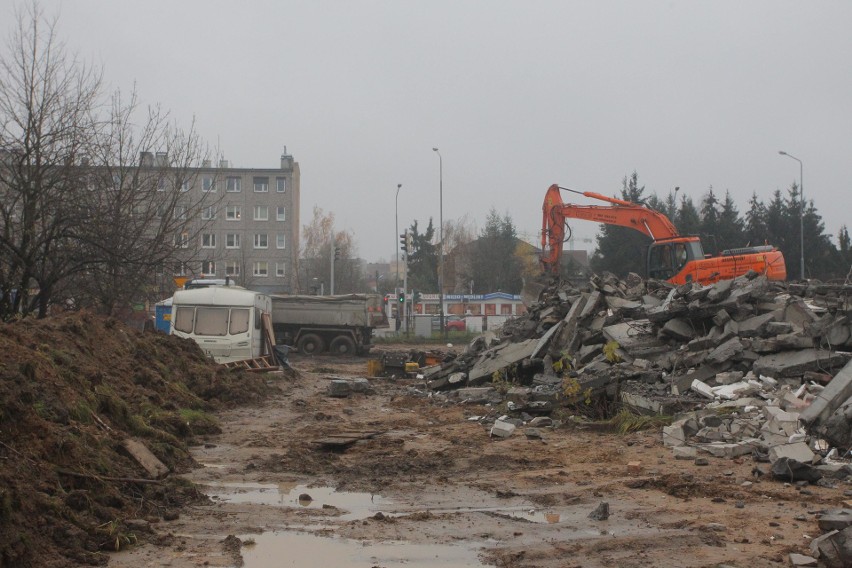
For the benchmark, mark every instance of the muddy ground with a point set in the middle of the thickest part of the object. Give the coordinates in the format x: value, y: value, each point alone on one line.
x: 431, y: 488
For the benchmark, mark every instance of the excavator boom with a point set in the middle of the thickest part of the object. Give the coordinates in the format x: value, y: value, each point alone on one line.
x: 650, y: 223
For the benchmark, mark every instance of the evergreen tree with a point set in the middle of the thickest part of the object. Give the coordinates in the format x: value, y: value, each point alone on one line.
x: 776, y: 227
x: 689, y: 221
x: 709, y: 225
x: 423, y: 260
x: 731, y: 231
x: 755, y: 222
x: 845, y: 254
x: 621, y: 249
x: 495, y: 266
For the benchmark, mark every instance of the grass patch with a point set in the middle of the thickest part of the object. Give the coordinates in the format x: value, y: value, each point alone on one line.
x: 625, y: 422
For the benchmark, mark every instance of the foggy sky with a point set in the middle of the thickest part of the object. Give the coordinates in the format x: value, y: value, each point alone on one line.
x: 517, y: 96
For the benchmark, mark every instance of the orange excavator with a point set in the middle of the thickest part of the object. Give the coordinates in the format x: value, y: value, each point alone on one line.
x: 672, y: 257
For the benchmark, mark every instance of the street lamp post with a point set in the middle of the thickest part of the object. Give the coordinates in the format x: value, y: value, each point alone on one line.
x: 801, y: 211
x: 395, y: 245
x: 441, y: 238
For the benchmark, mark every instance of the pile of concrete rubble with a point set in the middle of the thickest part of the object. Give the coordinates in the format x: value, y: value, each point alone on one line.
x: 744, y: 366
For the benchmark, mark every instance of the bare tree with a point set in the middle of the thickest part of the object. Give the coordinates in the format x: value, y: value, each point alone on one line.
x: 143, y: 209
x: 47, y: 98
x: 315, y: 264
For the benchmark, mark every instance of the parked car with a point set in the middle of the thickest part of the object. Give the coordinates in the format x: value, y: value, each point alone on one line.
x: 451, y: 323
x: 454, y: 323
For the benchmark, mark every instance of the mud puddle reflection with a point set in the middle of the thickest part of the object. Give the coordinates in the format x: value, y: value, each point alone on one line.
x: 353, y: 506
x: 275, y: 549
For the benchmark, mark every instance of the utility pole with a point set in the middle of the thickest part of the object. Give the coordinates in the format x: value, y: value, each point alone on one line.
x: 332, y: 255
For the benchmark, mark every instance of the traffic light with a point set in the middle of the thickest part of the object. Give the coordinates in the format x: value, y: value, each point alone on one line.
x: 401, y: 297
x: 415, y: 296
x: 336, y: 253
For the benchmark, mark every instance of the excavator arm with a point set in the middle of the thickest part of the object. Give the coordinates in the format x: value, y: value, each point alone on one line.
x: 622, y: 213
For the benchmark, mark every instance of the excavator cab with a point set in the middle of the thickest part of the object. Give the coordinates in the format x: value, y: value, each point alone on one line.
x: 668, y: 258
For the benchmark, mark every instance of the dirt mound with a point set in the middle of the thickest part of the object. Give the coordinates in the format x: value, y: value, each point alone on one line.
x: 72, y: 388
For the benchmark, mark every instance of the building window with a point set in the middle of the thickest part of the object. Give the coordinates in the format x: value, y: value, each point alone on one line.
x: 280, y: 240
x: 280, y: 270
x: 182, y: 240
x: 184, y: 186
x: 208, y: 184
x: 208, y: 213
x: 233, y: 213
x: 208, y: 241
x: 232, y: 268
x: 208, y: 268
x: 261, y: 241
x: 180, y: 269
x: 234, y: 185
x: 180, y: 212
x: 232, y: 241
x: 261, y: 212
x: 261, y: 268
x: 116, y: 181
x: 261, y: 184
x: 161, y: 211
x: 161, y: 184
x: 281, y: 185
x: 281, y: 213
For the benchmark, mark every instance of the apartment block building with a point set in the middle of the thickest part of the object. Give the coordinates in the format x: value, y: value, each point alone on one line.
x: 249, y: 226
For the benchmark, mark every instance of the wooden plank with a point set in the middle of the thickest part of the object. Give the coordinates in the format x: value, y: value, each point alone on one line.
x: 143, y: 456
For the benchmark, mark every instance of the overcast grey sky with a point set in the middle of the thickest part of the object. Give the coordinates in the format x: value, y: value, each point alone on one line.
x: 517, y: 95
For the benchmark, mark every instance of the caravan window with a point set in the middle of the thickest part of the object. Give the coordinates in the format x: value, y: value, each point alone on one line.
x: 239, y: 320
x: 211, y: 321
x: 183, y: 319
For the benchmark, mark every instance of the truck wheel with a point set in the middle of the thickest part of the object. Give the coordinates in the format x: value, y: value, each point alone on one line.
x: 311, y: 344
x: 342, y: 345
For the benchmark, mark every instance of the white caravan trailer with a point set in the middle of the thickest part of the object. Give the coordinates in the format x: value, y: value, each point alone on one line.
x: 224, y: 320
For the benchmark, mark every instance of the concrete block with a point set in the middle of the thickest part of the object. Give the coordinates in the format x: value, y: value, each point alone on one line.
x: 731, y: 392
x: 730, y: 450
x: 684, y: 452
x: 502, y: 429
x: 798, y: 451
x: 339, y: 388
x: 703, y: 389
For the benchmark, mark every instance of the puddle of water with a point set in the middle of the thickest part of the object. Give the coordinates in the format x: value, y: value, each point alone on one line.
x: 356, y: 506
x: 276, y: 549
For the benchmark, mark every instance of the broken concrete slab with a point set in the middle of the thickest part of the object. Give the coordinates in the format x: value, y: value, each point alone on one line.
x: 835, y: 551
x: 499, y: 358
x: 798, y: 451
x: 838, y: 391
x: 796, y: 363
x: 755, y: 326
x: 678, y: 329
x: 728, y: 449
x: 726, y: 352
x: 836, y: 520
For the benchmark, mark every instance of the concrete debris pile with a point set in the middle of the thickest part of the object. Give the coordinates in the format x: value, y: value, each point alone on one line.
x: 741, y: 347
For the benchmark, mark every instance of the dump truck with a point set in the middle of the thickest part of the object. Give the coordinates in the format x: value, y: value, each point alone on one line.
x: 342, y: 325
